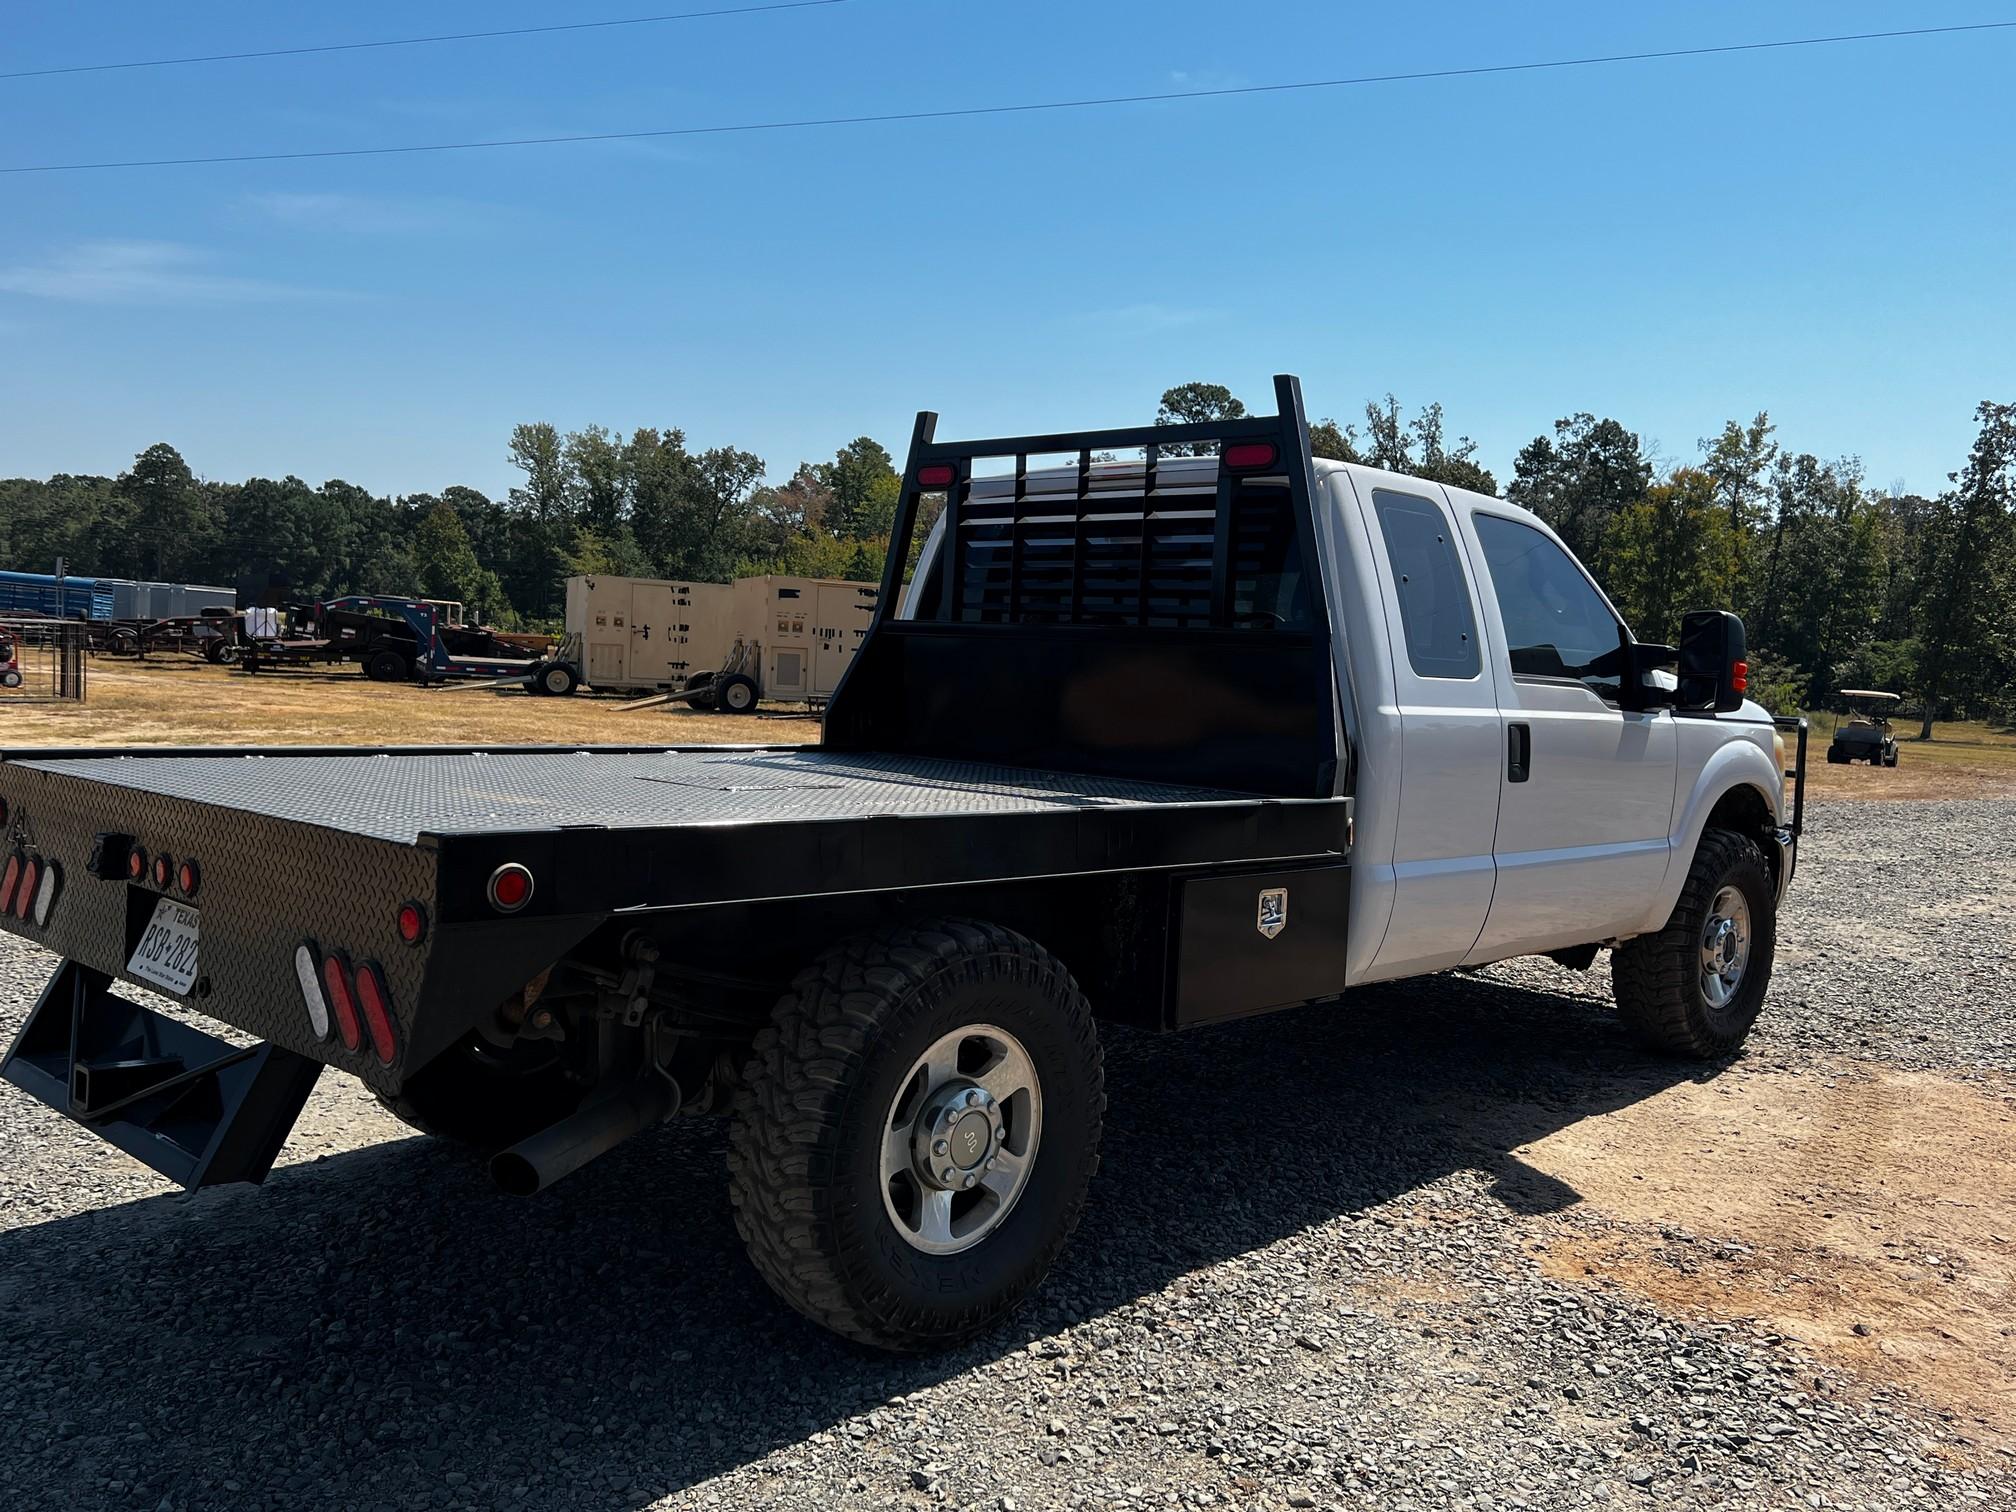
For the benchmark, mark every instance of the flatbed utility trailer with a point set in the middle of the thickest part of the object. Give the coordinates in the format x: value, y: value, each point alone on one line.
x: 1097, y: 756
x: 393, y: 639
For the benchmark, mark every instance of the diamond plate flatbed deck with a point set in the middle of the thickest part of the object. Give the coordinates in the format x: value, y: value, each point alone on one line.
x: 403, y: 796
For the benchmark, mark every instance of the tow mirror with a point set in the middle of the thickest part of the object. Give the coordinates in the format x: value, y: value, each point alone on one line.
x: 1714, y: 661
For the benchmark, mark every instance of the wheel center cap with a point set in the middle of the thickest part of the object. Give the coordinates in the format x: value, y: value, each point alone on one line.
x: 957, y: 1136
x: 972, y: 1137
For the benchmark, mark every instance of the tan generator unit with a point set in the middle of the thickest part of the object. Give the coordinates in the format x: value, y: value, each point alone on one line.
x: 806, y: 629
x: 648, y: 634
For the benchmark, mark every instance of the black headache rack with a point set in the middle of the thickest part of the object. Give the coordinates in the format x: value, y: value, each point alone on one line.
x: 1160, y: 619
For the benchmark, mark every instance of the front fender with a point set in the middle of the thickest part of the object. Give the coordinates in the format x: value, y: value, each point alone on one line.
x: 1734, y: 764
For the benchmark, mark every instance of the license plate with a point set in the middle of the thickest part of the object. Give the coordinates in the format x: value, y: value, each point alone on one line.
x: 166, y: 954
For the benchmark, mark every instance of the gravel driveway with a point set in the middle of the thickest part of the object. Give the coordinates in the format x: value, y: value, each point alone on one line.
x: 1309, y: 1277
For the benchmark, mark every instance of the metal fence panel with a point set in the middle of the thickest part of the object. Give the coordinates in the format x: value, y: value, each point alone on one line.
x: 42, y: 661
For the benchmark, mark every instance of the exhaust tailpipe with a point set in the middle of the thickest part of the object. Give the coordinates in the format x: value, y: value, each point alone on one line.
x: 537, y: 1161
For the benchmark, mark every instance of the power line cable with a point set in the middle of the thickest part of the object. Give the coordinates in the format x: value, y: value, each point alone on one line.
x: 474, y: 36
x: 1028, y: 108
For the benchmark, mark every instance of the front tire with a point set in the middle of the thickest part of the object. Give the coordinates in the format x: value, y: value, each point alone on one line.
x: 556, y: 680
x: 735, y: 694
x: 885, y: 1056
x: 1695, y: 988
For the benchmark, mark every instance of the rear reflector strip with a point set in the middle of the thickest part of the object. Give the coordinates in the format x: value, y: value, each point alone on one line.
x: 371, y: 997
x: 308, y: 971
x: 336, y: 977
x: 45, y: 896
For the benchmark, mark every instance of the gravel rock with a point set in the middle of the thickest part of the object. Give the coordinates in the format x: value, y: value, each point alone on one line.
x: 1259, y: 1310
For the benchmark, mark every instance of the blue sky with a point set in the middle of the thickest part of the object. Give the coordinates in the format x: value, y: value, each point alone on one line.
x: 1826, y: 232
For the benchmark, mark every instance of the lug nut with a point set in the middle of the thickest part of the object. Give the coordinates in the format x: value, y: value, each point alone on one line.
x: 991, y: 1163
x: 948, y: 1174
x: 968, y: 1182
x: 1001, y: 1131
x: 940, y: 1147
x: 972, y: 1096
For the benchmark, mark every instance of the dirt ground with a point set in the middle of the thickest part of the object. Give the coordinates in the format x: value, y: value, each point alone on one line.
x: 1874, y: 1218
x: 181, y: 701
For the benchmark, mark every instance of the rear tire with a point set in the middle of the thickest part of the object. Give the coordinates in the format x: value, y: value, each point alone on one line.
x: 1662, y: 981
x: 556, y: 680
x: 388, y: 666
x: 700, y: 680
x: 485, y: 1098
x: 849, y: 1071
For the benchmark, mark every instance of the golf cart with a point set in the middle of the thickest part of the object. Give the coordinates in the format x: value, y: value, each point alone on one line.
x: 1865, y: 735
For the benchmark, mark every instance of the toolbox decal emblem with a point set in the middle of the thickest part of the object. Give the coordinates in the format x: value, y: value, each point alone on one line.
x: 1273, y: 911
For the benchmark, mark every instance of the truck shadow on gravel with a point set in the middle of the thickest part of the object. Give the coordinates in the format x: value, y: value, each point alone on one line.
x: 381, y: 1328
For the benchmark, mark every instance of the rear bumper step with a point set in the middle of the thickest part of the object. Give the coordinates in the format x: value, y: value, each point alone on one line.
x: 185, y: 1103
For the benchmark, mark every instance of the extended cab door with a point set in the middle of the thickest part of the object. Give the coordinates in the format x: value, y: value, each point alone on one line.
x: 1445, y: 809
x: 1585, y: 803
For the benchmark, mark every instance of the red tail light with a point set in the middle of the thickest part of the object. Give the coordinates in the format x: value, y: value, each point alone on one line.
x: 164, y: 872
x: 136, y: 863
x: 412, y: 923
x: 372, y: 997
x: 189, y: 878
x: 24, y: 899
x: 1244, y: 456
x: 342, y: 1000
x: 936, y: 475
x: 8, y: 879
x: 1739, y: 677
x: 510, y: 887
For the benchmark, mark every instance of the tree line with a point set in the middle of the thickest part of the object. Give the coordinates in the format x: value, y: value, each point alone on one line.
x: 590, y: 500
x: 1839, y: 584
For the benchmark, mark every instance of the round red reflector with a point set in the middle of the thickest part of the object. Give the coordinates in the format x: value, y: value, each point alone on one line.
x: 1249, y: 454
x: 7, y: 880
x: 31, y: 877
x: 189, y: 879
x: 936, y: 475
x: 372, y: 998
x: 412, y: 923
x: 164, y: 871
x: 510, y: 887
x: 336, y: 977
x: 136, y: 863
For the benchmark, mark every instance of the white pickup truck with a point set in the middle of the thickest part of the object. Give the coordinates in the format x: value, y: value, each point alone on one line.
x: 1163, y: 741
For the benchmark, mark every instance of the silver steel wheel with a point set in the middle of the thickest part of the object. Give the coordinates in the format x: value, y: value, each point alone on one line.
x: 1725, y: 946
x: 960, y: 1139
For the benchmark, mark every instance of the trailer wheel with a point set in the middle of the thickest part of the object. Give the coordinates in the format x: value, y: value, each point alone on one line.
x: 1696, y: 987
x: 915, y: 1133
x: 487, y: 1099
x: 735, y: 694
x: 388, y: 666
x: 10, y: 678
x: 700, y: 680
x: 556, y: 679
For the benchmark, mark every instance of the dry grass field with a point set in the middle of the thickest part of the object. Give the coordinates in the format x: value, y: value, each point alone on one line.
x: 171, y: 701
x: 183, y: 702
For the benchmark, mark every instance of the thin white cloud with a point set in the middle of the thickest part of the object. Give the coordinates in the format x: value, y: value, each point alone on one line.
x: 141, y: 272
x: 372, y: 215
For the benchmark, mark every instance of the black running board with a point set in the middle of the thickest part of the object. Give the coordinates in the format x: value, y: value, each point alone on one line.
x: 198, y: 1110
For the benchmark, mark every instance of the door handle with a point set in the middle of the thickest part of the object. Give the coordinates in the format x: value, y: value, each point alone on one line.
x: 1518, y: 752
